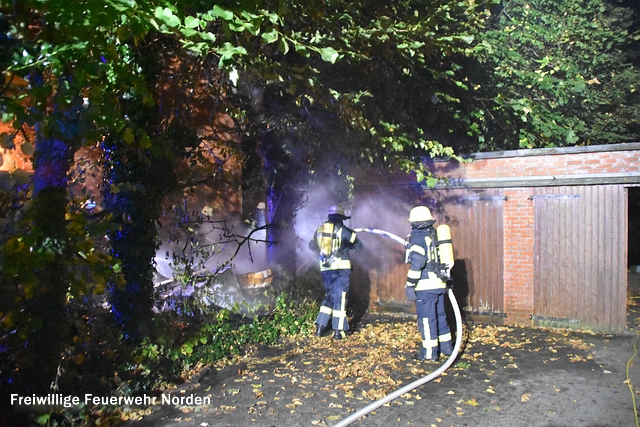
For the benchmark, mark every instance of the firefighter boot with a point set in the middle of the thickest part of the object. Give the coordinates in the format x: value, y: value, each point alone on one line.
x: 421, y: 356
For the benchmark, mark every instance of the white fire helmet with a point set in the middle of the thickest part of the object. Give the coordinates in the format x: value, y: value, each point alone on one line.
x: 420, y: 214
x: 337, y: 210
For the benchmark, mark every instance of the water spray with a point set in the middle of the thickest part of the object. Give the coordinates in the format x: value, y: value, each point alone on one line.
x: 392, y: 236
x: 409, y: 387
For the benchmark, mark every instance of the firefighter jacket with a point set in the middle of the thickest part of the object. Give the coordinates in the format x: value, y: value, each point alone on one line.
x: 422, y: 256
x: 333, y: 241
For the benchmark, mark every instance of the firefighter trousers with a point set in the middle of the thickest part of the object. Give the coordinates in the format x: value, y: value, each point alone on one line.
x: 334, y: 304
x: 432, y: 324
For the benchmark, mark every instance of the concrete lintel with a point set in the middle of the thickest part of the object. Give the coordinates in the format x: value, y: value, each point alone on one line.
x: 628, y: 146
x: 543, y: 181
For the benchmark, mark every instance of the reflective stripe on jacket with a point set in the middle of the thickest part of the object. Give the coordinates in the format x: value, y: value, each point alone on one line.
x: 422, y: 273
x: 346, y: 240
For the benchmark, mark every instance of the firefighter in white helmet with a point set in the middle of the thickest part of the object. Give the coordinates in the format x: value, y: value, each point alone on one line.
x: 426, y: 285
x: 333, y: 241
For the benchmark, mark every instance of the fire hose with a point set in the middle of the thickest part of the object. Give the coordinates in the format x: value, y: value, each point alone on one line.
x: 409, y: 387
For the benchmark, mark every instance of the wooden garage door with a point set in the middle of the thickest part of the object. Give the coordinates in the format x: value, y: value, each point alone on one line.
x: 580, y: 257
x: 475, y: 218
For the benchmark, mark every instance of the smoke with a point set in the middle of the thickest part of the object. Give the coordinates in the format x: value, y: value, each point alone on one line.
x: 385, y: 210
x: 214, y: 246
x: 319, y: 198
x: 374, y: 207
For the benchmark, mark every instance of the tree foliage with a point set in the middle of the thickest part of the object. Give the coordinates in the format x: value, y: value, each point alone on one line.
x: 564, y: 73
x: 395, y: 72
x: 308, y: 90
x: 91, y: 76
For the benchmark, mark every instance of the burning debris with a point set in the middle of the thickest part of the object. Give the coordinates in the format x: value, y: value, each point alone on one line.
x: 247, y: 294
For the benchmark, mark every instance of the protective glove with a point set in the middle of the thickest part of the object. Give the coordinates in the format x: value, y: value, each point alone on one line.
x: 444, y: 272
x: 410, y: 292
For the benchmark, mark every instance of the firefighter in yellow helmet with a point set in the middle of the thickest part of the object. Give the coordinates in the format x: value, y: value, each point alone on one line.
x: 426, y: 285
x: 333, y: 241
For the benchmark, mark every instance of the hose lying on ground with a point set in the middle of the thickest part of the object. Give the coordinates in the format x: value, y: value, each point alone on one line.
x: 409, y: 387
x: 628, y: 379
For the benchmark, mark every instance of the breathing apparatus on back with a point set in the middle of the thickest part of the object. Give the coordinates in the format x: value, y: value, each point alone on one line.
x: 439, y: 247
x: 444, y: 251
x: 329, y: 236
x: 328, y: 242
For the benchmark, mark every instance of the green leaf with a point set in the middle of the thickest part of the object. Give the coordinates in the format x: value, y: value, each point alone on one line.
x: 13, y: 246
x: 168, y: 18
x: 208, y: 37
x: 8, y: 141
x: 127, y: 135
x: 274, y: 18
x: 222, y: 13
x: 467, y: 39
x: 154, y: 24
x: 283, y: 46
x: 27, y: 148
x: 43, y: 419
x: 145, y: 141
x: 20, y: 176
x: 228, y: 51
x: 461, y: 85
x: 270, y: 37
x: 238, y: 27
x: 188, y: 32
x: 329, y: 54
x: 571, y: 138
x: 302, y: 50
x: 122, y: 5
x: 191, y: 22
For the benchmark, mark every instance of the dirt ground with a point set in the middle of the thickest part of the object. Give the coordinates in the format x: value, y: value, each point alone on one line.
x: 504, y: 376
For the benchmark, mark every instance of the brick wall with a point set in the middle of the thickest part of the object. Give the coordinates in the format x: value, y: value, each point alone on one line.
x: 544, y: 162
x: 621, y: 160
x: 11, y: 160
x: 570, y: 164
x: 518, y: 255
x: 514, y: 177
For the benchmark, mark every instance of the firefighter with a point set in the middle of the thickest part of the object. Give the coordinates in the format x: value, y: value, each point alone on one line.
x: 426, y: 285
x: 333, y: 241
